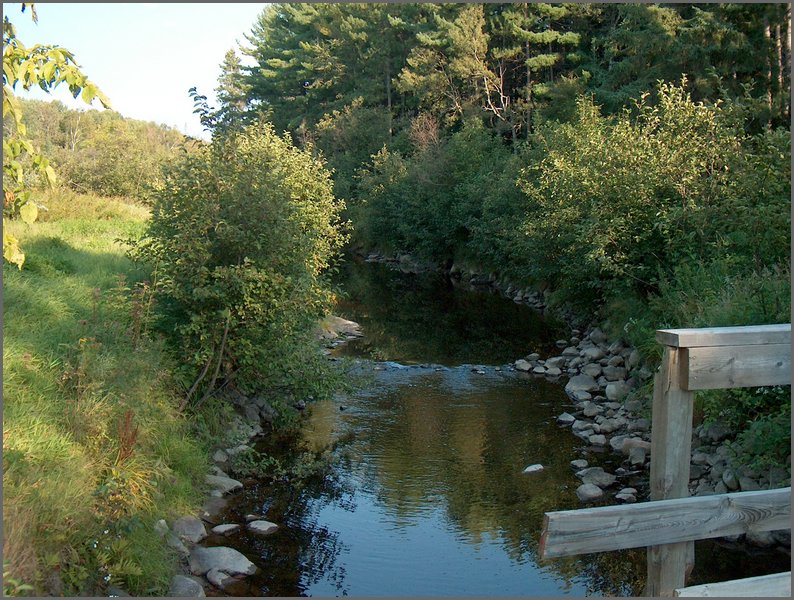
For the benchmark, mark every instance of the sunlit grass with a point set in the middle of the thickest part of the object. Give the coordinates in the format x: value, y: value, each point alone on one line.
x: 73, y: 367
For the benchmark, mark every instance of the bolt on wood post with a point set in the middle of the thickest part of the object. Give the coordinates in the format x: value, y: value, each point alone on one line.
x: 671, y: 445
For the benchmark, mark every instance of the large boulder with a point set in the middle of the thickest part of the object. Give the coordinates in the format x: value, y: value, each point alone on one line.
x: 224, y: 559
x: 581, y: 383
x: 223, y: 484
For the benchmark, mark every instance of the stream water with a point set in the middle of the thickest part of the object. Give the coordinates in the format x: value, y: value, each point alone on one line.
x: 425, y: 495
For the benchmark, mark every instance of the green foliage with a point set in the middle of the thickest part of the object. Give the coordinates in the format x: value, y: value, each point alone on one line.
x: 45, y: 67
x: 242, y: 235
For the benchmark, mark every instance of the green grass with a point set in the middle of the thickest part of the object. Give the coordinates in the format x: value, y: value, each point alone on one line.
x: 76, y: 358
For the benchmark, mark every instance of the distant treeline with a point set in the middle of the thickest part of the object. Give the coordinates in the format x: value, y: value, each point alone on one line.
x: 100, y: 152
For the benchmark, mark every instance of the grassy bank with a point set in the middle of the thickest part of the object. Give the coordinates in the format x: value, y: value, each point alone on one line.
x: 94, y: 449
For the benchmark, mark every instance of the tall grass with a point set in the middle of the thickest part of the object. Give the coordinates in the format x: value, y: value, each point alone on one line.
x: 94, y: 449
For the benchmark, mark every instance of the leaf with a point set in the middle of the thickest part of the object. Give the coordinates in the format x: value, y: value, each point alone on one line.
x: 29, y: 212
x: 11, y: 251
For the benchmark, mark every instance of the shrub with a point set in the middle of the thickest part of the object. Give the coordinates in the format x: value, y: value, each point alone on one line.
x: 242, y: 235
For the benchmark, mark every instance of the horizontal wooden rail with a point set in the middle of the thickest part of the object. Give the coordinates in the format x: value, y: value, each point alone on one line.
x: 601, y: 529
x: 723, y: 367
x: 765, y: 586
x: 754, y: 335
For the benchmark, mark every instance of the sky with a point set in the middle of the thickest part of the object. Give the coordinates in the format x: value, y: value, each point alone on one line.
x: 144, y: 56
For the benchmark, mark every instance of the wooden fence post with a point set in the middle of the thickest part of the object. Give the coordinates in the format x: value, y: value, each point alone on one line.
x: 671, y: 441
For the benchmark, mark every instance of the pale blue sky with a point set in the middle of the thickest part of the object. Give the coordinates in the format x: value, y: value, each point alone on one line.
x: 144, y: 56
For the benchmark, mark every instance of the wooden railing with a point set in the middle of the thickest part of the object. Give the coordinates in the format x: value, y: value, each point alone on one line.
x: 668, y: 525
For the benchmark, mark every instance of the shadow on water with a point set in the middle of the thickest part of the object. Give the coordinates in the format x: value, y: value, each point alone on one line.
x: 425, y: 494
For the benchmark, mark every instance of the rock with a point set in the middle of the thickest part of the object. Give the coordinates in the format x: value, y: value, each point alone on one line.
x: 696, y: 471
x: 553, y: 372
x: 617, y: 442
x: 597, y: 440
x: 222, y: 558
x: 539, y: 370
x: 579, y: 463
x: 561, y: 343
x: 720, y: 488
x: 223, y: 484
x: 532, y: 357
x: 581, y: 396
x: 588, y: 492
x: 597, y: 336
x: 616, y: 361
x: 252, y: 517
x: 628, y: 490
x: 580, y: 425
x: 627, y: 498
x: 616, y: 390
x: 629, y: 443
x: 566, y: 419
x: 185, y: 587
x: 614, y: 373
x: 596, y: 476
x: 522, y: 365
x: 570, y: 351
x: 716, y: 432
x: 782, y: 536
x: 583, y: 383
x: 730, y: 480
x: 556, y: 361
x: 176, y: 544
x: 532, y: 469
x: 115, y: 591
x: 592, y: 353
x: 218, y: 578
x: 212, y: 508
x: 640, y: 425
x: 237, y: 449
x: 637, y: 456
x: 591, y: 410
x: 747, y: 484
x: 225, y: 528
x: 760, y: 538
x: 262, y: 527
x: 190, y: 529
x: 161, y: 528
x: 220, y: 456
x: 592, y: 369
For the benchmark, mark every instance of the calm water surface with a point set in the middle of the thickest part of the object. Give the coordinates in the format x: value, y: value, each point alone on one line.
x: 426, y: 496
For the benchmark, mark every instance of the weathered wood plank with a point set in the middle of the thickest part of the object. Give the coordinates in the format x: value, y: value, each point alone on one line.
x: 765, y: 586
x: 724, y: 367
x: 671, y: 441
x: 725, y: 336
x: 607, y: 528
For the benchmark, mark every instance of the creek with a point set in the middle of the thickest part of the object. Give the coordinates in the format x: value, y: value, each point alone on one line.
x: 425, y: 494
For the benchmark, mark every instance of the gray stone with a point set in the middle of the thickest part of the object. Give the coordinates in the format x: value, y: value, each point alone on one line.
x: 581, y: 395
x: 115, y: 591
x: 532, y: 357
x: 220, y: 579
x: 222, y: 558
x: 628, y: 490
x: 778, y: 477
x: 592, y: 353
x: 597, y: 336
x: 627, y: 498
x: 570, y: 351
x: 237, y: 449
x: 616, y: 361
x: 220, y: 456
x: 531, y: 469
x: 566, y: 419
x: 553, y: 372
x: 730, y: 480
x: 760, y: 538
x: 591, y: 410
x: 223, y: 484
x: 580, y: 425
x: 539, y: 370
x: 522, y: 365
x: 588, y: 492
x: 616, y: 390
x: 176, y: 544
x: 614, y: 373
x: 592, y: 369
x: 597, y: 440
x: 190, y: 529
x: 579, y: 463
x: 556, y: 361
x: 617, y: 442
x: 185, y: 587
x: 696, y: 471
x: 637, y: 456
x: 630, y: 443
x: 584, y: 383
x: 596, y: 476
x: 225, y: 528
x: 262, y: 527
x: 634, y: 405
x: 747, y: 484
x: 634, y: 358
x: 716, y: 432
x: 252, y: 517
x: 610, y: 425
x: 161, y: 528
x: 720, y: 488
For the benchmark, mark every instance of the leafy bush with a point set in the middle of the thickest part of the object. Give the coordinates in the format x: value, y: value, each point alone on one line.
x: 242, y: 235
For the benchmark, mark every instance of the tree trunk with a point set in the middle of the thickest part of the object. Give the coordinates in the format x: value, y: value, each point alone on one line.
x: 768, y: 37
x: 388, y: 93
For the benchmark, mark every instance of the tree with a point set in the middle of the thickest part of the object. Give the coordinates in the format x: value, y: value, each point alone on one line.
x: 46, y: 67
